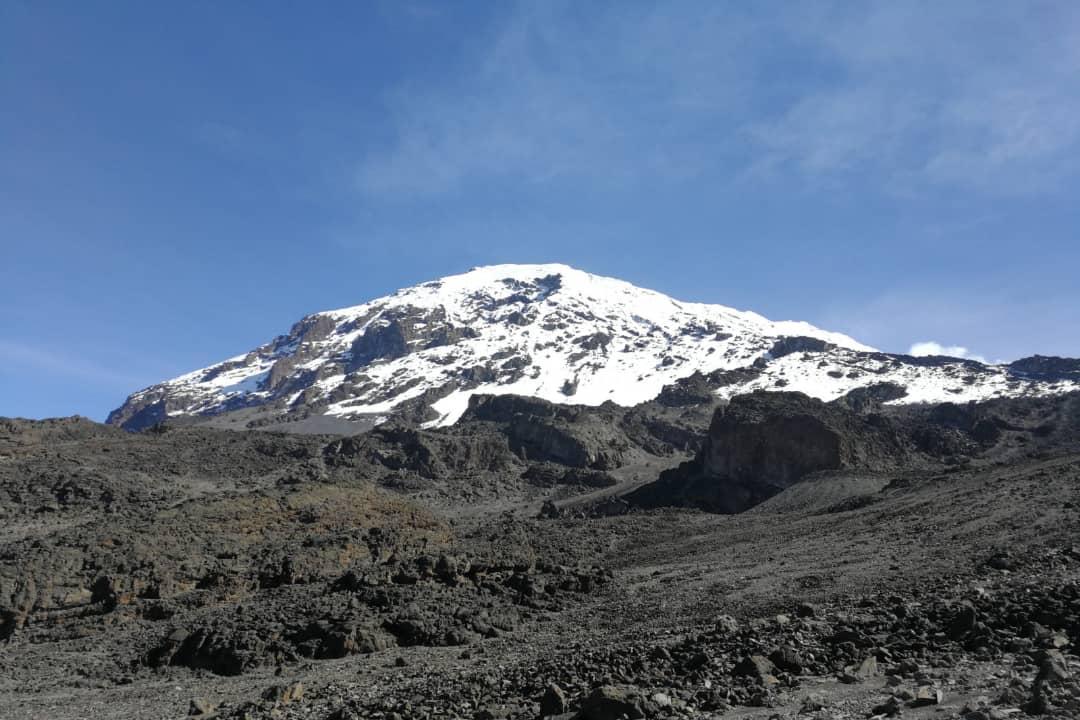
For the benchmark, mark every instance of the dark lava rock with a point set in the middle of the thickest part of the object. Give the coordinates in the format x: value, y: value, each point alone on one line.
x: 758, y: 667
x: 798, y: 343
x: 890, y: 708
x: 963, y: 622
x: 1046, y: 691
x: 612, y: 702
x: 398, y: 446
x: 692, y: 390
x: 221, y: 651
x: 764, y: 442
x: 871, y: 397
x: 327, y: 639
x: 539, y: 430
x: 1042, y: 367
x: 553, y: 702
x: 787, y: 659
x: 1001, y: 561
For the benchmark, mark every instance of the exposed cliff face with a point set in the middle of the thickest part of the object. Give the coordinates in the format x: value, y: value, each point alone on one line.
x: 428, y: 454
x: 762, y: 443
x: 544, y: 431
x: 514, y: 438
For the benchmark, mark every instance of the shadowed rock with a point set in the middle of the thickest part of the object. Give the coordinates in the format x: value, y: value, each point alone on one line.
x: 761, y: 443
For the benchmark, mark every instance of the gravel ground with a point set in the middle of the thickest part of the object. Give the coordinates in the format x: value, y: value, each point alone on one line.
x: 291, y: 591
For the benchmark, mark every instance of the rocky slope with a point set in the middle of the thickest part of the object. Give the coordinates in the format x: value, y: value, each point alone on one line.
x: 761, y: 444
x: 551, y: 332
x: 907, y: 560
x: 95, y: 518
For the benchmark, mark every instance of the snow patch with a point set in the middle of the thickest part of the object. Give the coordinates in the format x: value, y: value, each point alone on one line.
x: 557, y: 333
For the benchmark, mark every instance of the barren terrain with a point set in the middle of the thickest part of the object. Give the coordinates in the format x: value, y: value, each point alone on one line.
x: 542, y: 561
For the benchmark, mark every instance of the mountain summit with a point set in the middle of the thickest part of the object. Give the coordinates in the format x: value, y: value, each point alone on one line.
x: 553, y: 332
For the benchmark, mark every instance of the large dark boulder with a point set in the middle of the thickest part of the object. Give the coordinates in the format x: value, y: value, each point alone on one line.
x: 430, y: 454
x: 762, y: 443
x: 538, y: 430
x: 869, y: 398
x: 694, y: 389
x: 798, y: 343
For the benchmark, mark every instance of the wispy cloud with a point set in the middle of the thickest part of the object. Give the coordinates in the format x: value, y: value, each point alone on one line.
x: 839, y: 130
x: 961, y: 94
x: 45, y: 361
x: 608, y: 96
x: 954, y: 93
x: 1002, y: 325
x: 222, y: 137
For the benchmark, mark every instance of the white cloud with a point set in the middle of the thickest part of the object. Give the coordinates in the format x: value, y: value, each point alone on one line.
x: 929, y: 347
x: 954, y: 96
x: 837, y: 130
x: 1003, y: 323
x: 960, y: 94
x: 49, y: 362
x: 609, y: 97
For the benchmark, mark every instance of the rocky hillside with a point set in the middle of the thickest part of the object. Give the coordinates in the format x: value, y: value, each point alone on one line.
x: 761, y: 444
x: 525, y: 562
x: 551, y: 332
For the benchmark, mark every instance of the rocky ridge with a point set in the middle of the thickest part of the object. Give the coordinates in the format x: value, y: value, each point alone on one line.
x: 552, y: 332
x: 763, y: 443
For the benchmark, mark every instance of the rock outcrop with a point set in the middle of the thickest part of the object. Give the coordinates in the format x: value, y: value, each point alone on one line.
x: 761, y: 443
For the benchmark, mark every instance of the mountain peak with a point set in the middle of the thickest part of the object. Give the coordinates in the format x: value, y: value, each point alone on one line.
x: 545, y: 330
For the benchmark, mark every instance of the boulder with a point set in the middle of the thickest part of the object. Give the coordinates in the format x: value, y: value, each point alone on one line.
x: 613, y: 702
x: 927, y: 695
x: 764, y: 442
x: 758, y: 667
x: 284, y: 694
x: 201, y: 706
x: 553, y: 701
x: 787, y: 659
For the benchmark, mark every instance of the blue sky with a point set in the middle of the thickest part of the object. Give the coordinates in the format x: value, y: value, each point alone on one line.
x: 179, y: 182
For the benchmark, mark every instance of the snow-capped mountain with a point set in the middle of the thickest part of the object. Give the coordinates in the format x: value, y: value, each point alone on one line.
x: 554, y: 332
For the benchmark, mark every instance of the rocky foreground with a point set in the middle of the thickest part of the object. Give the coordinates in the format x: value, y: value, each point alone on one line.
x: 773, y: 557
